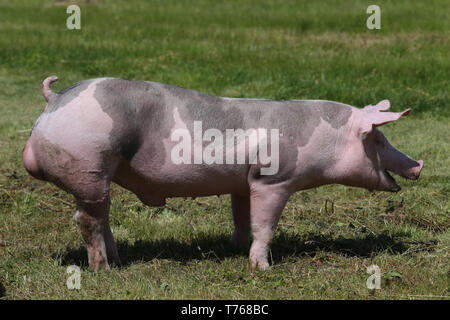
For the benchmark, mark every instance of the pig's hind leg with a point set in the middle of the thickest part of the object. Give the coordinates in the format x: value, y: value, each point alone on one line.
x: 93, y: 221
x: 92, y: 215
x: 87, y: 177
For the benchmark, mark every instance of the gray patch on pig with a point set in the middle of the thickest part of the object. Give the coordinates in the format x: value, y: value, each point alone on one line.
x: 66, y: 95
x: 256, y: 115
x: 300, y: 118
x: 138, y: 114
x: 336, y: 114
x: 84, y: 179
x: 209, y: 109
x: 296, y: 121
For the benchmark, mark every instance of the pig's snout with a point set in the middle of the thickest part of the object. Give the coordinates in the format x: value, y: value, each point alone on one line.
x: 414, y: 172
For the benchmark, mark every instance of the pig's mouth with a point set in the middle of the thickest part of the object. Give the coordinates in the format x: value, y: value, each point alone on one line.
x: 393, y: 186
x: 411, y: 173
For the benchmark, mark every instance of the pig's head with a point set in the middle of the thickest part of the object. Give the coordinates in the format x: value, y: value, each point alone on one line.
x: 368, y: 157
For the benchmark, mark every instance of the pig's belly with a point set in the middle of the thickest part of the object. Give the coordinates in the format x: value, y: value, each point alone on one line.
x: 153, y: 186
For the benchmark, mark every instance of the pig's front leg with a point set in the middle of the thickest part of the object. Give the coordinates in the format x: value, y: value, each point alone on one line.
x: 240, y: 205
x: 93, y: 221
x: 266, y: 204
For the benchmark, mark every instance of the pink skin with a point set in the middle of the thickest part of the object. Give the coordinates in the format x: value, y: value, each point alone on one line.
x: 46, y: 91
x: 29, y: 160
x: 356, y: 154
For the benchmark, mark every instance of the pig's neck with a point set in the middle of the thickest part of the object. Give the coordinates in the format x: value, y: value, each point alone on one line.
x: 323, y: 160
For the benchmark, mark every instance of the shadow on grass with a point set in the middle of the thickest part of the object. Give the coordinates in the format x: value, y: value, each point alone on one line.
x: 363, y: 247
x: 218, y: 247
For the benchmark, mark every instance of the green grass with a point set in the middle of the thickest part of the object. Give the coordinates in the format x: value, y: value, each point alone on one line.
x: 327, y: 237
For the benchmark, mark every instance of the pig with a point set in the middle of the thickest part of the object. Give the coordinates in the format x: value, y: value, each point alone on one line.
x: 107, y: 130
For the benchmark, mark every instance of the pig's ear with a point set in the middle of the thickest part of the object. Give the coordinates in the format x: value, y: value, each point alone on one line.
x: 374, y: 118
x: 380, y: 106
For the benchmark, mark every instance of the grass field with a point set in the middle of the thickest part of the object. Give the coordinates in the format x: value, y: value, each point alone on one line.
x: 327, y: 237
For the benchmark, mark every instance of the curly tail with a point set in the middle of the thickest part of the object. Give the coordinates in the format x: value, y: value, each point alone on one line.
x: 46, y: 91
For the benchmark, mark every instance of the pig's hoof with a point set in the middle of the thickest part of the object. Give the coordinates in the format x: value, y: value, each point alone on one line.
x: 98, y: 263
x: 95, y: 268
x: 262, y: 265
